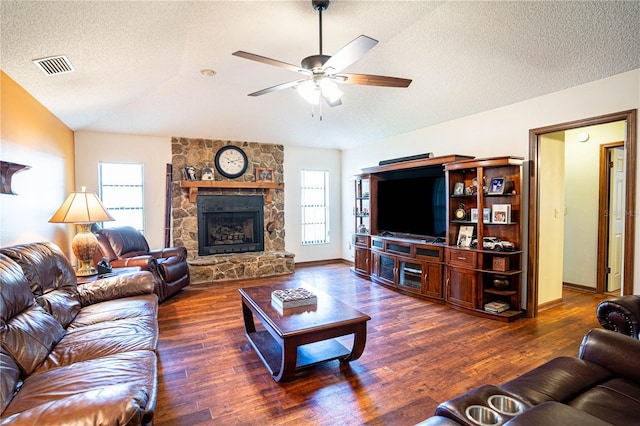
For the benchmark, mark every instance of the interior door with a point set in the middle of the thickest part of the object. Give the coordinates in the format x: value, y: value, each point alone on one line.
x: 616, y: 218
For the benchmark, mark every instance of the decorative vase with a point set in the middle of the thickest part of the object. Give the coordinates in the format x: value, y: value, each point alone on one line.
x: 501, y: 283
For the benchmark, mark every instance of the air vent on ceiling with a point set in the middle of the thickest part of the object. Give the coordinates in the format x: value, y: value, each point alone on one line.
x: 54, y: 65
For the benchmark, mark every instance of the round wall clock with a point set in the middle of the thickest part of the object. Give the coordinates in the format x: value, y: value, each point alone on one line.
x: 231, y: 161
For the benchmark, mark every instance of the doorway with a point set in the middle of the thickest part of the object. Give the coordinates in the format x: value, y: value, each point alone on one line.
x: 535, y: 172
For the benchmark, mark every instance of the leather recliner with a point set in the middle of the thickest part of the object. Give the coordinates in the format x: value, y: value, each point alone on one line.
x: 621, y: 314
x: 125, y: 247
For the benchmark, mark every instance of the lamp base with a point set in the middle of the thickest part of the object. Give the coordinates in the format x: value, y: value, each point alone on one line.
x: 84, y: 246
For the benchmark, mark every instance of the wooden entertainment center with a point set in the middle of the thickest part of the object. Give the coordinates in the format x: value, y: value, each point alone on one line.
x: 477, y: 266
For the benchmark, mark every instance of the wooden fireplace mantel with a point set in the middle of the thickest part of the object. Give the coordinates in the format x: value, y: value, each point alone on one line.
x: 195, y: 185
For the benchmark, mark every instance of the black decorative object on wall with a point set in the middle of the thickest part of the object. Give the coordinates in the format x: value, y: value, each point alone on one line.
x: 7, y: 170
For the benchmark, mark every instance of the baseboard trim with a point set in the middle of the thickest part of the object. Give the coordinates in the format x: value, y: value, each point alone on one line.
x: 550, y: 304
x: 579, y: 287
x: 321, y: 262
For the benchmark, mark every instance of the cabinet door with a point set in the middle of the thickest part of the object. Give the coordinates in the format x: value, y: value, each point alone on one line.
x: 462, y: 287
x: 410, y: 275
x: 432, y: 286
x: 361, y: 261
x: 384, y: 268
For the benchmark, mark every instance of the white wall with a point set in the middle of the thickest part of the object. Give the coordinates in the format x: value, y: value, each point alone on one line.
x: 295, y: 160
x: 502, y: 131
x: 153, y: 152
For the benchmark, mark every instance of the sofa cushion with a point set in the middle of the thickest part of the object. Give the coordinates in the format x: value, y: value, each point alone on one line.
x: 51, y: 278
x: 9, y: 379
x: 27, y: 332
x: 125, y: 308
x: 102, y: 339
x: 616, y: 401
x: 126, y: 241
x: 99, y: 389
x: 560, y: 379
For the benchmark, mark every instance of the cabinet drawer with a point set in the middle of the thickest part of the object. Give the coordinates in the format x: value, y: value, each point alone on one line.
x: 464, y: 258
x: 361, y: 240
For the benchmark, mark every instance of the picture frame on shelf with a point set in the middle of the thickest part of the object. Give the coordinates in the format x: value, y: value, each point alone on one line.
x: 458, y: 188
x: 486, y: 215
x: 190, y: 173
x: 496, y: 187
x: 465, y: 236
x: 501, y: 213
x: 206, y: 173
x: 264, y: 174
x: 474, y: 215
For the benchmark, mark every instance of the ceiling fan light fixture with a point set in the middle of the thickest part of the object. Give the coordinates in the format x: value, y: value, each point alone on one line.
x: 330, y: 90
x: 309, y: 91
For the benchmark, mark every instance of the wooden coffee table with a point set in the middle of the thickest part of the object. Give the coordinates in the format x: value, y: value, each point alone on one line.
x: 296, y: 338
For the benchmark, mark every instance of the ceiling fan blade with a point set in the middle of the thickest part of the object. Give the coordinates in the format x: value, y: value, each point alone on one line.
x: 269, y: 61
x: 372, y: 80
x: 277, y: 87
x: 350, y: 53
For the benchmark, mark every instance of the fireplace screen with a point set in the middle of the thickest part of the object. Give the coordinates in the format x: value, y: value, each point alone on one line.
x: 230, y: 224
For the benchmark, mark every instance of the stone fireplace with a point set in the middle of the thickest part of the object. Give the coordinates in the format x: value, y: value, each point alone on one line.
x: 234, y: 250
x: 230, y: 224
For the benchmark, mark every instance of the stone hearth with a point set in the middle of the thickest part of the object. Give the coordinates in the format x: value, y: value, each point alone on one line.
x: 200, y: 153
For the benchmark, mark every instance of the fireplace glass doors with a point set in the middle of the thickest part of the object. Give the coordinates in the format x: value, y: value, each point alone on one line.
x: 230, y: 224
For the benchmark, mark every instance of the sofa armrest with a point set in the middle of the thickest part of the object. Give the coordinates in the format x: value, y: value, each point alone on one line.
x: 614, y: 351
x: 125, y: 285
x: 144, y: 262
x: 180, y: 252
x: 621, y: 314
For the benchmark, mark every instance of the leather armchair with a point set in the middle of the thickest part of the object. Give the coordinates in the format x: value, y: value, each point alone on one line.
x: 621, y: 314
x: 126, y: 247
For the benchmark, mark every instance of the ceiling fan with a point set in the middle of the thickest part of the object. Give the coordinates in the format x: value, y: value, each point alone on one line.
x: 320, y: 73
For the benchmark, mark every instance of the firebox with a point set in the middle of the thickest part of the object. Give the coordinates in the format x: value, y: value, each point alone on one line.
x: 230, y: 224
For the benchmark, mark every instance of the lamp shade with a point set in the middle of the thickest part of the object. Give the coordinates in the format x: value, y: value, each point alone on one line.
x: 81, y: 207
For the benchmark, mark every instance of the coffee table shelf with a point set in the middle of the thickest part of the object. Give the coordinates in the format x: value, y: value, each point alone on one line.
x: 309, y: 355
x: 301, y: 337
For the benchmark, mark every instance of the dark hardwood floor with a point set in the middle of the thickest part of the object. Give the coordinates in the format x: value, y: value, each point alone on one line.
x: 418, y: 354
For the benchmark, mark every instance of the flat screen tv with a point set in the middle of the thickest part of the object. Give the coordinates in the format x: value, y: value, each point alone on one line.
x: 413, y: 205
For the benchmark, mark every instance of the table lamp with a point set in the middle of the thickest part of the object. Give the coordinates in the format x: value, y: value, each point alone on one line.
x: 83, y: 209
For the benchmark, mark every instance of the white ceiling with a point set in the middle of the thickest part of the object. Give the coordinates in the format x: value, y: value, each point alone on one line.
x: 138, y: 63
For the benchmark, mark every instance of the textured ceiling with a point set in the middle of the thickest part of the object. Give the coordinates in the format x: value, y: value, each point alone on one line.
x: 138, y: 63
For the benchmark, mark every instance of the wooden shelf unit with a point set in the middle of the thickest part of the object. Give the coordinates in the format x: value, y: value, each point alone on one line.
x: 469, y: 271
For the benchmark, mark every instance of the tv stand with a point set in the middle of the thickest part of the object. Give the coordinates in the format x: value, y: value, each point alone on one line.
x: 481, y: 279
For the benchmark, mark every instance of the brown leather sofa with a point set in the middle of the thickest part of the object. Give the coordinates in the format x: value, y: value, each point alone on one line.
x: 124, y: 247
x: 74, y: 354
x: 600, y: 387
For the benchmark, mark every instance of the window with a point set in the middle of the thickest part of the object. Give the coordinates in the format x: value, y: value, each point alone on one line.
x: 121, y: 191
x: 315, y: 207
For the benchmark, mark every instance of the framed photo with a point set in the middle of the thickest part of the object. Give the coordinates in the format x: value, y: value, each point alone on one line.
x: 465, y: 235
x: 264, y: 174
x: 474, y: 215
x: 486, y: 215
x: 497, y: 186
x: 190, y: 173
x: 207, y: 173
x: 458, y: 188
x: 501, y: 213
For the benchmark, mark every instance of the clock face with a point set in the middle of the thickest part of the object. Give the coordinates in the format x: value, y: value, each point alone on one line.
x: 231, y: 161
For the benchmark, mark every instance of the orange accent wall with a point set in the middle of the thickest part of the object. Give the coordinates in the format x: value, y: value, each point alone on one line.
x: 32, y: 135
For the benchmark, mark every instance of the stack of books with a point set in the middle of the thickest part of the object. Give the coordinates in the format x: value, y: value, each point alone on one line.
x: 292, y: 297
x: 496, y: 307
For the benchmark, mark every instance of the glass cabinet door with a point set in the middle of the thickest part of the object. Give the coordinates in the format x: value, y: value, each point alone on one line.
x: 410, y: 275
